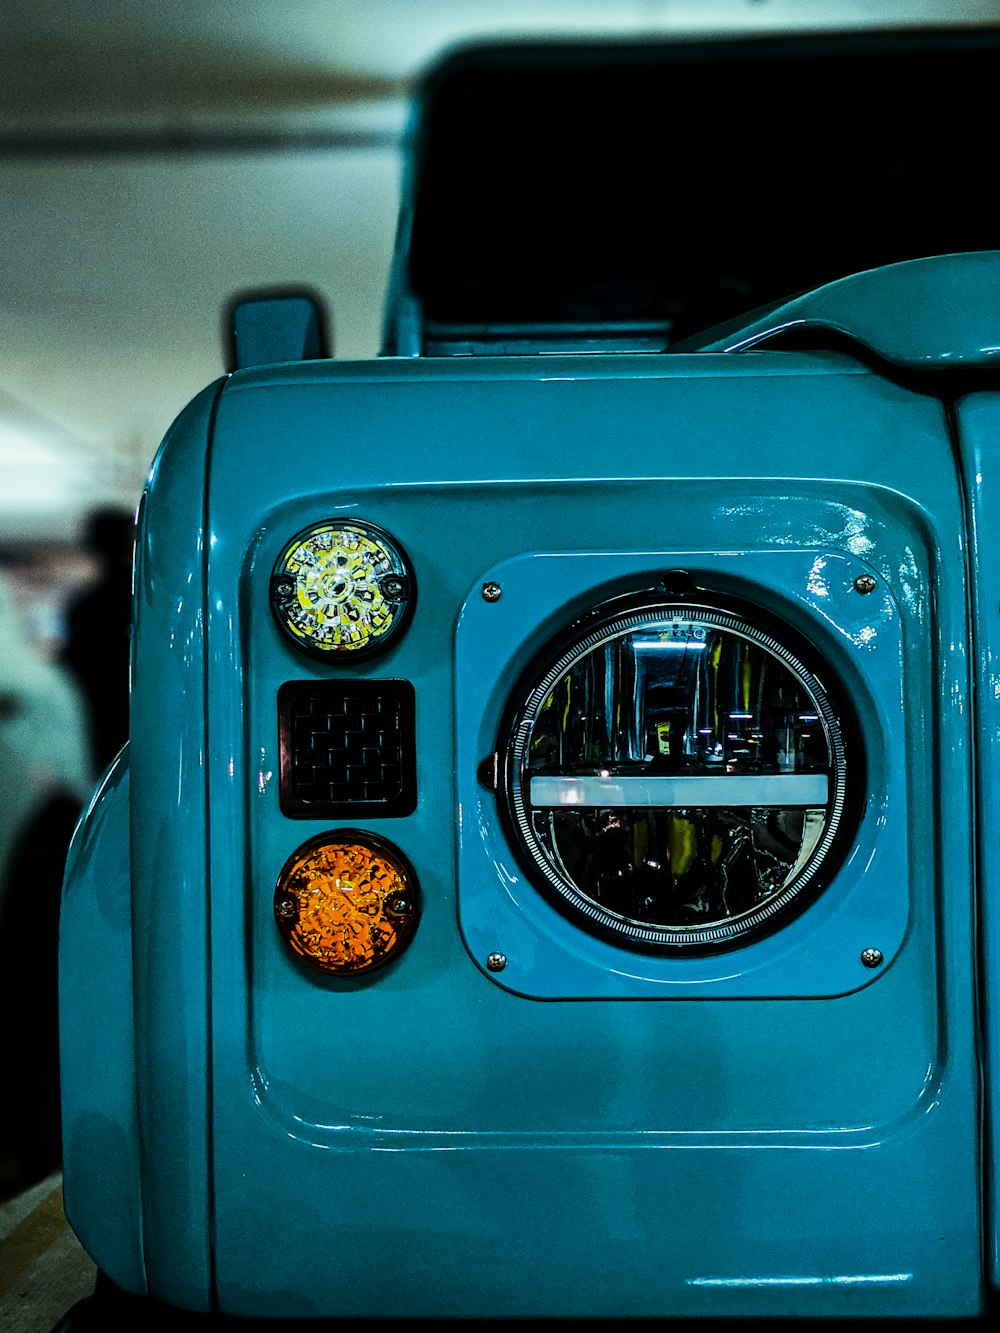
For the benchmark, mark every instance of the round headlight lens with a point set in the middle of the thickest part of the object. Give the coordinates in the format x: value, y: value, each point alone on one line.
x: 346, y: 902
x: 676, y: 777
x: 342, y: 588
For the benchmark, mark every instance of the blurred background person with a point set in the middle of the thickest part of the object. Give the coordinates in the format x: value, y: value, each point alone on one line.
x: 98, y: 633
x: 44, y: 780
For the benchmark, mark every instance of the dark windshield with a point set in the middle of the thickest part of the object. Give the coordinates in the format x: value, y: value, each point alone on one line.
x: 688, y: 184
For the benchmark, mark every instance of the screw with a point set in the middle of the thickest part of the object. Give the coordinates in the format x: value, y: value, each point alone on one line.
x: 871, y: 957
x: 864, y: 583
x: 491, y: 592
x: 392, y: 587
x: 286, y: 909
x: 397, y: 906
x: 496, y: 962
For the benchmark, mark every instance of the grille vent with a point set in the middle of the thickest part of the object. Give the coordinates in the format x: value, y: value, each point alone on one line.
x: 347, y: 748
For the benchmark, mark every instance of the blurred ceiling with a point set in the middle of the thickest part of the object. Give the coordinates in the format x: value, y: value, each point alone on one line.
x: 155, y: 159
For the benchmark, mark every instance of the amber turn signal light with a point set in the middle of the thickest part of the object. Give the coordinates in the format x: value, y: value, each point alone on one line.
x: 346, y: 902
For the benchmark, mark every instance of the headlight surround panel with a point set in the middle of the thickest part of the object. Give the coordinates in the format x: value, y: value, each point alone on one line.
x: 675, y: 777
x: 868, y: 652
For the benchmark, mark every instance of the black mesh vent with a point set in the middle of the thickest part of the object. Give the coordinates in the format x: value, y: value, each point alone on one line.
x: 347, y: 748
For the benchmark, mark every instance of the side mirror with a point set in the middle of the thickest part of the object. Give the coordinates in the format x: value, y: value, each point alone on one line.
x: 264, y: 327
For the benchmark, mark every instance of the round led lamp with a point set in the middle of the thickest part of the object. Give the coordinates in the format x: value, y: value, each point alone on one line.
x: 676, y: 777
x: 342, y: 589
x: 346, y: 902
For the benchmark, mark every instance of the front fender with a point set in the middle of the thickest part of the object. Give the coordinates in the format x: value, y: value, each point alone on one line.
x: 97, y: 1037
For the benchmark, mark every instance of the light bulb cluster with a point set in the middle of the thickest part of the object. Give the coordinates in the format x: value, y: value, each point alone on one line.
x: 342, y: 589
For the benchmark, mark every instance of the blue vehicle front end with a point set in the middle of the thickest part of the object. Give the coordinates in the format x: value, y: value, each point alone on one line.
x: 669, y: 1012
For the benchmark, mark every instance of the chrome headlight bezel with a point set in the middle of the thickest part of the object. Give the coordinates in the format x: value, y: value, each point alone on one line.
x: 613, y: 621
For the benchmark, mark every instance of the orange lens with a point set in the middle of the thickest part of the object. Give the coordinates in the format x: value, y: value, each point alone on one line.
x: 346, y: 902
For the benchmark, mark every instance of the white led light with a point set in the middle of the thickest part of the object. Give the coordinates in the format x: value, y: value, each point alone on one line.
x: 342, y: 588
x: 755, y: 791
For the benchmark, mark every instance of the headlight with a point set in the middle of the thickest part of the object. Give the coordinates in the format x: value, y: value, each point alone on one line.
x: 676, y: 777
x: 342, y: 589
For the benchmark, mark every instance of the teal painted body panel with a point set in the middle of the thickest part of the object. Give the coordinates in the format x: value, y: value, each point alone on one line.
x: 102, y: 1186
x: 593, y: 1131
x: 449, y: 1117
x: 149, y: 822
x: 939, y: 313
x: 870, y: 642
x: 170, y: 886
x: 977, y: 418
